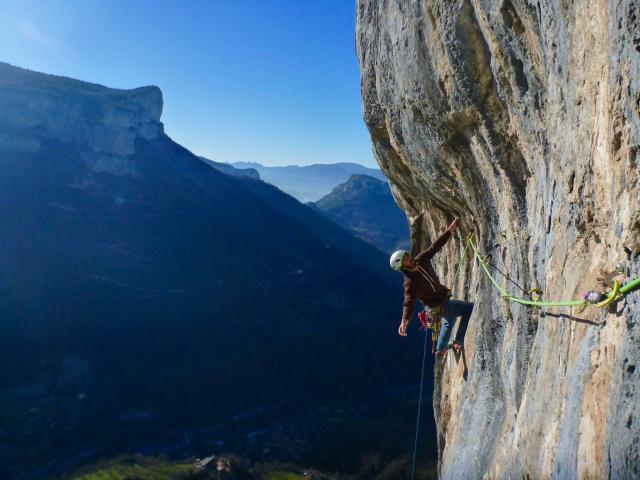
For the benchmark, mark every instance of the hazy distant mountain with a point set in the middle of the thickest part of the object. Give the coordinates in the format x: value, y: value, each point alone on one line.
x: 230, y: 170
x: 312, y: 182
x: 365, y: 206
x: 150, y: 303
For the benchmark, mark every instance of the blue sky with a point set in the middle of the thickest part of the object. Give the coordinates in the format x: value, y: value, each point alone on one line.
x: 272, y: 81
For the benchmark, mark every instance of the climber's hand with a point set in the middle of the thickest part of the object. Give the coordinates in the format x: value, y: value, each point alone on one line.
x: 402, y: 329
x: 454, y: 226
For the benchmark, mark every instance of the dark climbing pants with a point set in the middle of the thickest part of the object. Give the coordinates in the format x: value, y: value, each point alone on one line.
x: 452, y: 310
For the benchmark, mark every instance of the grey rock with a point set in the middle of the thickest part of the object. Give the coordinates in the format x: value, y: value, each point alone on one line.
x: 522, y: 118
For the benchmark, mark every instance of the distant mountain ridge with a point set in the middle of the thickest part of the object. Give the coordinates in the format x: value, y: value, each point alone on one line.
x: 231, y: 170
x: 311, y: 182
x: 365, y: 206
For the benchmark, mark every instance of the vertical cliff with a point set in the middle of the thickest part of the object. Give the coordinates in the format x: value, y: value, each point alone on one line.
x: 103, y: 123
x: 522, y: 118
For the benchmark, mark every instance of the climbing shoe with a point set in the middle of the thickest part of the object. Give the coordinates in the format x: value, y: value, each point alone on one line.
x: 457, y: 346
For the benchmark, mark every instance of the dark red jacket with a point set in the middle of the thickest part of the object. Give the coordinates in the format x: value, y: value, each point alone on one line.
x: 424, y: 285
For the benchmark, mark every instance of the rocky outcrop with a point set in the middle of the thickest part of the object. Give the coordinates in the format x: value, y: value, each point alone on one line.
x: 102, y: 122
x: 522, y: 118
x: 364, y: 206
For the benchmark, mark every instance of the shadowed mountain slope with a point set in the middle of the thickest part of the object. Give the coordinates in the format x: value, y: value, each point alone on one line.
x: 143, y: 294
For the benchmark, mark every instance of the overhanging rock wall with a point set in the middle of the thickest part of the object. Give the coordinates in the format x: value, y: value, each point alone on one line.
x: 522, y: 118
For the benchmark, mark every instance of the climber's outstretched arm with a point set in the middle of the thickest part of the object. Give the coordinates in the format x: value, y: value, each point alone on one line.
x: 408, y: 308
x: 439, y: 243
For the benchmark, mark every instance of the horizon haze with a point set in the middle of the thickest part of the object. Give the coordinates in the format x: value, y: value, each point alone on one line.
x: 236, y: 88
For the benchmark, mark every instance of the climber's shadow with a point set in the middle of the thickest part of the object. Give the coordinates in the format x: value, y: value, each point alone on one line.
x: 572, y: 318
x: 463, y: 356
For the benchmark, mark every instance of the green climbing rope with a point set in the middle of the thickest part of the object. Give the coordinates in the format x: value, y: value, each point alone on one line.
x: 617, y: 290
x: 483, y: 264
x: 630, y: 286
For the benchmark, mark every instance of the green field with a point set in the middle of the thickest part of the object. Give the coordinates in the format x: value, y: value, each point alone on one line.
x: 138, y: 468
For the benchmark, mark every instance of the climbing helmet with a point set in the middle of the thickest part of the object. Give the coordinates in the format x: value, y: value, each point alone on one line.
x: 396, y: 259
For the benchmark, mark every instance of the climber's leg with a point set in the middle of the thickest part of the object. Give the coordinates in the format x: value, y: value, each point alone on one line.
x: 448, y: 322
x: 452, y: 310
x: 462, y: 309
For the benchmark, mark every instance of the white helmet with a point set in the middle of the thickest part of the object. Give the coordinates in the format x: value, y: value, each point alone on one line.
x: 396, y: 259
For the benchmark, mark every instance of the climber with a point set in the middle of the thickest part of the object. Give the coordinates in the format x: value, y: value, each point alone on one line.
x: 421, y: 282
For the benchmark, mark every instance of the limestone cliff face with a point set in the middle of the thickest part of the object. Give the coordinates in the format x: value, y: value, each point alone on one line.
x: 103, y: 122
x: 522, y: 118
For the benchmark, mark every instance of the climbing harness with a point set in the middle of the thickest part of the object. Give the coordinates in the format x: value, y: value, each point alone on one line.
x: 431, y: 319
